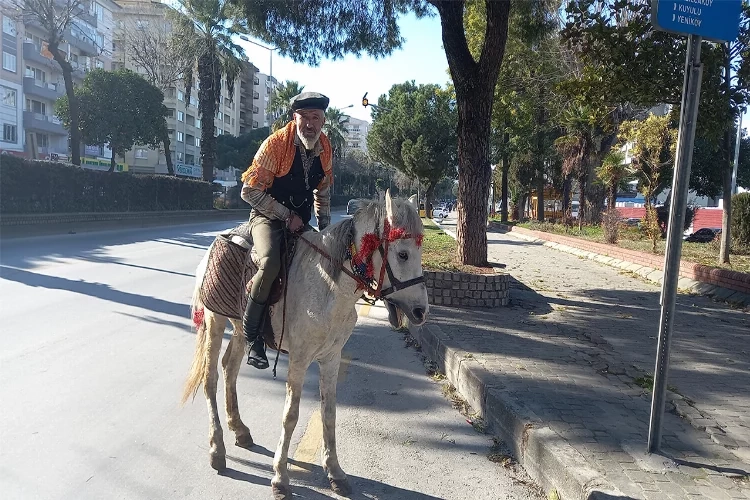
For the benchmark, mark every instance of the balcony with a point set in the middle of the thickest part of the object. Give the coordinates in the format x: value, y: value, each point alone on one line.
x: 43, y: 123
x: 81, y: 42
x: 50, y: 91
x: 88, y: 17
x: 32, y: 53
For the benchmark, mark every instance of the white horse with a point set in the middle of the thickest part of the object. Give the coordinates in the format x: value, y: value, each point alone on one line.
x: 318, y: 324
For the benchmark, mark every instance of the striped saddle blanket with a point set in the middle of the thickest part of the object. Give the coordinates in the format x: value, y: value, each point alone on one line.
x: 232, y: 265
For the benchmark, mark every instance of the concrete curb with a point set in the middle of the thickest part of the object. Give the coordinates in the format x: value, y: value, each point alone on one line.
x: 546, y: 456
x: 29, y: 225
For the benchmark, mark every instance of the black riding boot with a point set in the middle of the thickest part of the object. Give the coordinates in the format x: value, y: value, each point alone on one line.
x: 252, y: 325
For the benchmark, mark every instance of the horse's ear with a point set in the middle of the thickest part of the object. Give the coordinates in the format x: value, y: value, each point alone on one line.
x: 388, y: 206
x: 413, y: 200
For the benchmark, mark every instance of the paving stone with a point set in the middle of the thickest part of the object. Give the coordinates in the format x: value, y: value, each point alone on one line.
x: 589, y: 316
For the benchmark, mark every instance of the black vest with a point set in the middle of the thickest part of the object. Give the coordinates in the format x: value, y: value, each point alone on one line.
x: 290, y: 189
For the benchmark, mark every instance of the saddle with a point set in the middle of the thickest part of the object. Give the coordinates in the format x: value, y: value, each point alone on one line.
x: 232, y: 264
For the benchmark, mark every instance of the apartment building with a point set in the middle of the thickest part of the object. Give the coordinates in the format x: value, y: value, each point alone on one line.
x: 264, y: 86
x: 356, y: 131
x: 183, y: 120
x: 31, y: 81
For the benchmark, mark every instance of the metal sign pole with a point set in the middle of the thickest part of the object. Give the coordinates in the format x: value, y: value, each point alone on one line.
x: 737, y: 155
x: 683, y: 160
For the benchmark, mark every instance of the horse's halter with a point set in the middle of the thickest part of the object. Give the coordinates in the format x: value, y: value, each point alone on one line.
x: 366, y: 280
x: 362, y: 265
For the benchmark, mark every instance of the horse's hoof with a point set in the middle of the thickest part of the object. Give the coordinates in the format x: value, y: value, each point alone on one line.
x: 281, y: 492
x: 341, y: 487
x: 244, y: 441
x: 218, y: 462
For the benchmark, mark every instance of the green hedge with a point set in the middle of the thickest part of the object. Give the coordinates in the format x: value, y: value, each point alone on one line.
x: 43, y: 187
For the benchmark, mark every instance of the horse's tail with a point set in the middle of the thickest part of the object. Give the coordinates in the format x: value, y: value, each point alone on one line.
x: 200, y: 357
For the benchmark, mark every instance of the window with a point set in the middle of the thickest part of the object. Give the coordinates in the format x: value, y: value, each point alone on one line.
x: 219, y: 131
x: 198, y: 142
x: 36, y: 106
x: 180, y: 156
x: 197, y: 123
x: 141, y: 154
x: 98, y: 11
x: 141, y: 25
x: 180, y: 116
x: 9, y: 26
x: 10, y: 133
x: 36, y: 74
x: 9, y: 62
x: 193, y: 101
x: 7, y: 97
x: 42, y: 140
x: 180, y: 95
x: 170, y: 112
x: 226, y: 118
x: 190, y: 159
x: 180, y: 137
x: 100, y: 64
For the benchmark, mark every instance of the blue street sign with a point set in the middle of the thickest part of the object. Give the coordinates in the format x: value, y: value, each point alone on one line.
x: 716, y: 20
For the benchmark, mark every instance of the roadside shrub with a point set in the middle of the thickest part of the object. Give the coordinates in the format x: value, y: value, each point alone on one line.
x: 611, y: 225
x: 28, y: 186
x: 740, y: 231
x: 651, y: 227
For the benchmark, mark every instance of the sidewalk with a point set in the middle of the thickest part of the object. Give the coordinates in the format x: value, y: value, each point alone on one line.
x: 560, y: 375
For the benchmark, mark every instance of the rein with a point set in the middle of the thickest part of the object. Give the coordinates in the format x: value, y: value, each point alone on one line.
x: 377, y: 292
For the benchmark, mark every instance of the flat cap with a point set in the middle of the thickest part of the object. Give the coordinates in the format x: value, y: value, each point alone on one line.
x: 309, y: 100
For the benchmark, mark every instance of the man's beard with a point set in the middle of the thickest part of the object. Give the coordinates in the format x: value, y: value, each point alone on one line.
x: 308, y: 143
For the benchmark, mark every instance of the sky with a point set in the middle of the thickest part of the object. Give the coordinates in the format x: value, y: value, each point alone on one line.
x: 421, y: 58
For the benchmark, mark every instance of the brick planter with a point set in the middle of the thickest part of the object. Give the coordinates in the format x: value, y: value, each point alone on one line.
x: 467, y: 290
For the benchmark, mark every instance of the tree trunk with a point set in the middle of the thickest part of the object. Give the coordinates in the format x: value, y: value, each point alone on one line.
x: 612, y: 196
x: 506, y: 170
x: 210, y: 89
x: 581, y: 199
x: 428, y: 195
x: 566, y: 200
x: 112, y: 161
x: 540, y: 199
x: 67, y: 71
x: 168, y: 154
x: 474, y: 82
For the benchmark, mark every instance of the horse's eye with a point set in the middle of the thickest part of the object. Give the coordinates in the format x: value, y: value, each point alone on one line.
x: 402, y: 255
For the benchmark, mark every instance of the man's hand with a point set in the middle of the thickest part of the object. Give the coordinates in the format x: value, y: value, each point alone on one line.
x: 294, y: 223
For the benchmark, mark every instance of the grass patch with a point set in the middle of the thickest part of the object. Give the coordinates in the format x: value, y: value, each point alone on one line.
x: 633, y: 239
x: 439, y: 251
x: 646, y: 381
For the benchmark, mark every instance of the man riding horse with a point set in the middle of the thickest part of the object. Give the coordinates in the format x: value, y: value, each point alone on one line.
x: 290, y: 175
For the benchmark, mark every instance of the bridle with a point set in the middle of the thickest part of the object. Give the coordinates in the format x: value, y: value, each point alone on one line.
x: 361, y: 261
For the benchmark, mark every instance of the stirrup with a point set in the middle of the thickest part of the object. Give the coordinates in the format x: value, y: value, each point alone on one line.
x: 257, y: 358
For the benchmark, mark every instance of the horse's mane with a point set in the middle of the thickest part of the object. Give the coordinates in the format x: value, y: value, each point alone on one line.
x: 338, y: 237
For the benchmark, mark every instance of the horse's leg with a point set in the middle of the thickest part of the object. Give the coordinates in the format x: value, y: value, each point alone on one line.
x: 215, y: 329
x: 295, y: 378
x: 231, y: 363
x: 329, y: 371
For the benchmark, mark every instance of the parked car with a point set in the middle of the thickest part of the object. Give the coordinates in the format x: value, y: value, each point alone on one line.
x: 353, y: 206
x: 440, y: 212
x: 705, y: 235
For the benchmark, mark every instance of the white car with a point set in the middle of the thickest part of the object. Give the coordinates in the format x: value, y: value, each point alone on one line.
x: 440, y: 213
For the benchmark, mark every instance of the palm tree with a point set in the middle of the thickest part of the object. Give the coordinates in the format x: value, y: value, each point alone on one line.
x: 205, y: 29
x: 279, y: 105
x: 335, y: 130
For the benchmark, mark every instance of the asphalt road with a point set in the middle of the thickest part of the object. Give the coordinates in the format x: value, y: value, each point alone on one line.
x: 95, y: 343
